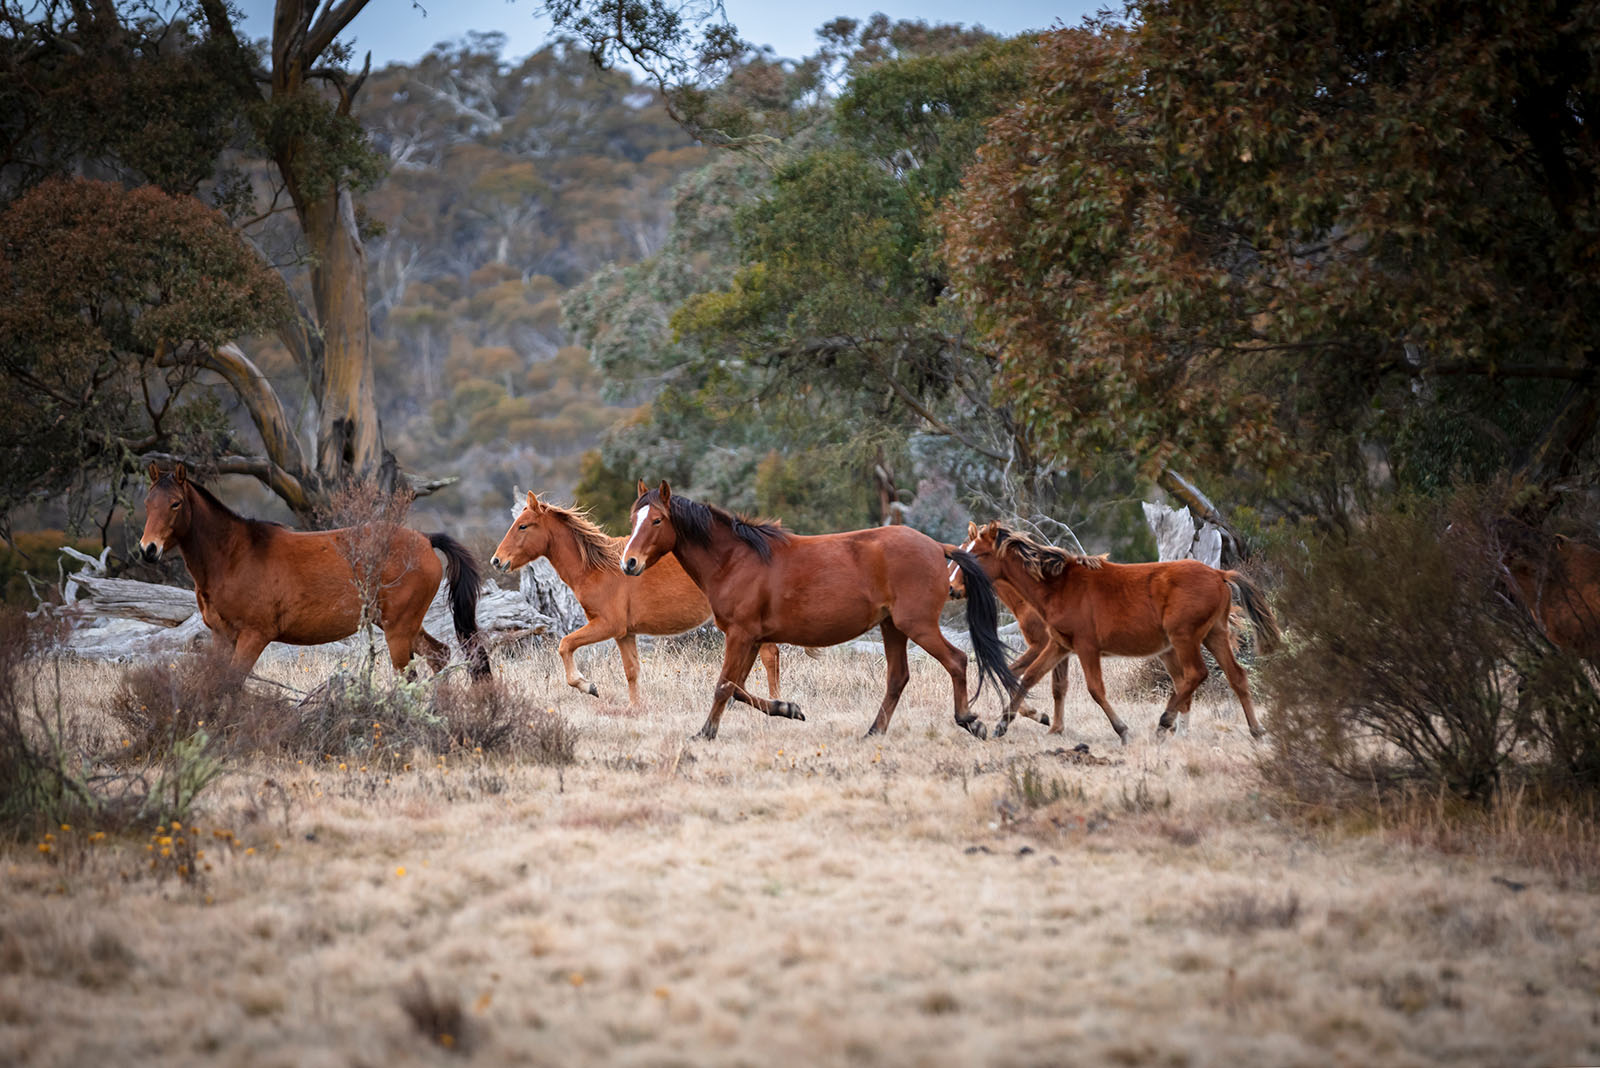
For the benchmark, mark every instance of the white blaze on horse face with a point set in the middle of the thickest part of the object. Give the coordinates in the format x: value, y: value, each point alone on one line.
x: 638, y: 524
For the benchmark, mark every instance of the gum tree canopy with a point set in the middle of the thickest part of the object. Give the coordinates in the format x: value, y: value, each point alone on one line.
x: 1340, y: 247
x: 176, y: 101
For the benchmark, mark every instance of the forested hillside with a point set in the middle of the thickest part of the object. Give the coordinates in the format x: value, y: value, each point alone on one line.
x: 508, y: 182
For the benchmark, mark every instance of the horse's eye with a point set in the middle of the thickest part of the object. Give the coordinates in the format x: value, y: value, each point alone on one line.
x: 655, y: 522
x: 522, y: 526
x: 176, y: 503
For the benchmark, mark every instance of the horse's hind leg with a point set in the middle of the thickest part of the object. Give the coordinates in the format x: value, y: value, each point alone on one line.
x: 894, y: 650
x: 1188, y: 671
x: 926, y: 633
x: 769, y: 663
x: 629, y: 649
x: 1095, y: 683
x: 399, y: 649
x: 247, y: 649
x: 434, y: 651
x: 1221, y: 647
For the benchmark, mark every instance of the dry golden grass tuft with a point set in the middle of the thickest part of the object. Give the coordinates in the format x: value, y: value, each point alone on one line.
x: 794, y: 893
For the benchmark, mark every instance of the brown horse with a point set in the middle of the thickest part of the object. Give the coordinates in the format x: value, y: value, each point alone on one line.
x: 665, y: 601
x: 1093, y: 608
x: 768, y: 585
x: 259, y: 582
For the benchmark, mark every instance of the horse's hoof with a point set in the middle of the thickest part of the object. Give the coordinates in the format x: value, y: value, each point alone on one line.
x: 787, y: 710
x: 592, y: 690
x: 975, y: 727
x: 708, y: 732
x: 1258, y: 732
x: 872, y: 730
x: 1000, y: 729
x: 1122, y: 735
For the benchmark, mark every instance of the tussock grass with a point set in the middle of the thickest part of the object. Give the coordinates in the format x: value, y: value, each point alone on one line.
x: 792, y: 893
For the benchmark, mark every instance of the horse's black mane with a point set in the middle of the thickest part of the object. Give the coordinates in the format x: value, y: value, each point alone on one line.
x: 693, y: 521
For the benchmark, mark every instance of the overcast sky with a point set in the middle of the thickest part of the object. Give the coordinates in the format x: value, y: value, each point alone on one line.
x: 397, y: 31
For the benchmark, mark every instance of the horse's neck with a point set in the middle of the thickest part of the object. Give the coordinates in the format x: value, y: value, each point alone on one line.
x: 701, y: 562
x: 208, y: 545
x: 567, y: 558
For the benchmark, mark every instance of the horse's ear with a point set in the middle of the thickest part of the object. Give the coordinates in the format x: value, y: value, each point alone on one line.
x: 666, y: 492
x: 180, y: 475
x: 533, y: 500
x: 972, y: 531
x: 153, y: 471
x: 643, y: 489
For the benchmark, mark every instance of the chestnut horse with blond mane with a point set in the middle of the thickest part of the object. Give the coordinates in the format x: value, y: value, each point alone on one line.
x: 1094, y: 608
x: 768, y: 585
x: 258, y: 582
x: 589, y: 561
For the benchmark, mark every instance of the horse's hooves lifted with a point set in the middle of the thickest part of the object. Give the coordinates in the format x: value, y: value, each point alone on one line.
x: 786, y: 710
x: 1258, y: 732
x: 592, y: 690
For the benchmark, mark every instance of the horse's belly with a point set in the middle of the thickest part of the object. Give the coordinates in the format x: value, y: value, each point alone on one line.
x: 819, y: 621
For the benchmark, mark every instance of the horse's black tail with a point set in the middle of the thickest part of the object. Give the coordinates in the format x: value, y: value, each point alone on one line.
x: 982, y: 619
x: 1255, y: 605
x: 465, y: 581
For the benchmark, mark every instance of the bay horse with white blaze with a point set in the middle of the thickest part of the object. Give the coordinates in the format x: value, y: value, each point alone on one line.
x: 1094, y: 608
x: 664, y: 600
x: 768, y: 585
x: 259, y: 582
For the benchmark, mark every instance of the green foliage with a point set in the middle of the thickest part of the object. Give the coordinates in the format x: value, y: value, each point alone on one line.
x: 1286, y: 256
x: 101, y: 290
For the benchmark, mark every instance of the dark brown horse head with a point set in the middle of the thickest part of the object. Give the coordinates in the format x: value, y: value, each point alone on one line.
x: 167, y: 510
x: 527, y: 539
x: 653, y: 534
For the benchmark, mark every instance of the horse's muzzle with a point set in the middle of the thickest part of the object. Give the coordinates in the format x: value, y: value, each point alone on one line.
x: 498, y: 564
x: 630, y: 566
x: 955, y: 594
x: 151, y: 552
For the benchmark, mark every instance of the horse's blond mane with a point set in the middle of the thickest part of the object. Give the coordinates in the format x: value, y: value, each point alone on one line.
x: 1042, y: 561
x: 597, y: 549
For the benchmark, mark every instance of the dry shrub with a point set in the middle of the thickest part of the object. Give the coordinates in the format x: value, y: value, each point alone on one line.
x: 54, y: 776
x: 482, y: 716
x: 157, y: 705
x: 439, y: 1018
x: 1246, y: 913
x: 1409, y: 664
x: 548, y: 739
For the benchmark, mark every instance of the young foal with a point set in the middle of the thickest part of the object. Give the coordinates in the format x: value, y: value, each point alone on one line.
x: 259, y: 582
x: 1092, y: 608
x: 767, y: 585
x: 664, y: 601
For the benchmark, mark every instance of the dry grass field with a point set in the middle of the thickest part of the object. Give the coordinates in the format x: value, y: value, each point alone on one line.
x: 790, y: 894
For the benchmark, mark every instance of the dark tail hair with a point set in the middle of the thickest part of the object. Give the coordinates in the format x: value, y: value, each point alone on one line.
x: 465, y: 581
x: 1255, y: 605
x: 982, y: 618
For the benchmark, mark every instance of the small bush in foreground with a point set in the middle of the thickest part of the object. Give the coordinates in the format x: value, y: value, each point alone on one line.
x: 1410, y: 664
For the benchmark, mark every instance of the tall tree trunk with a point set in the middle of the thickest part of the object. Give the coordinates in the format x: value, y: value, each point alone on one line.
x: 349, y: 436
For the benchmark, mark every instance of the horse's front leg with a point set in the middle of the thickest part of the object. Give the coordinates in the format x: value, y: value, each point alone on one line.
x: 1043, y: 664
x: 596, y: 630
x: 738, y: 657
